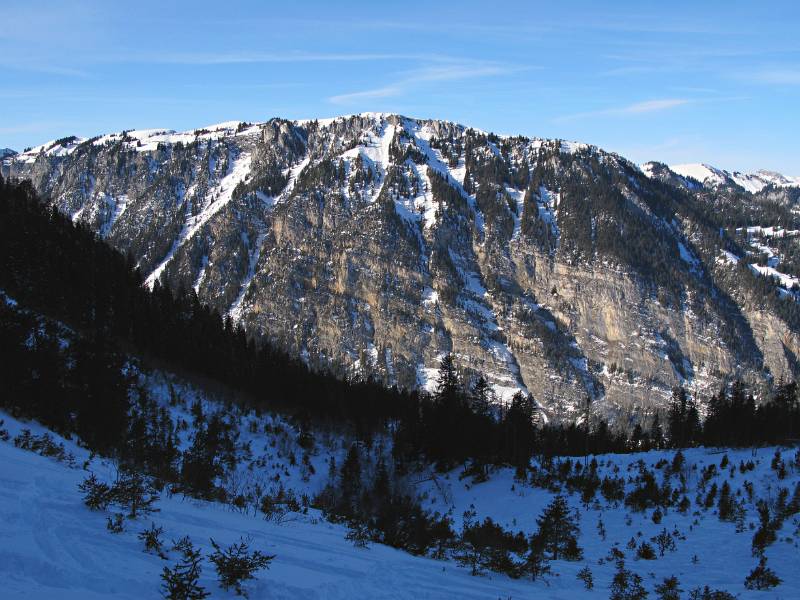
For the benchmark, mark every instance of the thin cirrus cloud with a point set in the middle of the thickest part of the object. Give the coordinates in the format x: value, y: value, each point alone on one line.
x: 783, y: 76
x: 638, y: 108
x: 230, y: 58
x: 417, y: 77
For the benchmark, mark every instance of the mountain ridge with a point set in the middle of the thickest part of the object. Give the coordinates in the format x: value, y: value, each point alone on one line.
x: 377, y: 243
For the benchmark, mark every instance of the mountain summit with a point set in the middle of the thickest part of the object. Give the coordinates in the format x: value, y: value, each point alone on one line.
x: 373, y: 244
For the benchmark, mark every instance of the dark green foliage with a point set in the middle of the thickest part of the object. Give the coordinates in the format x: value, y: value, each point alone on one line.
x: 647, y: 493
x: 626, y: 584
x: 766, y: 533
x: 707, y: 593
x: 710, y: 497
x: 761, y: 577
x: 558, y: 531
x: 726, y: 506
x: 97, y: 495
x: 487, y: 546
x: 181, y: 582
x: 350, y: 477
x: 151, y: 538
x: 585, y: 575
x: 134, y: 492
x: 668, y: 589
x: 114, y: 523
x: 358, y: 534
x: 734, y: 419
x: 64, y: 271
x: 664, y: 542
x: 683, y: 421
x: 536, y: 565
x: 657, y: 516
x: 211, y: 453
x: 236, y: 564
x: 43, y: 445
x: 645, y: 552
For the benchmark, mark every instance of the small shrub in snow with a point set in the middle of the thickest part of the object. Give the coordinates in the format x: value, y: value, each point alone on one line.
x: 761, y: 577
x: 114, y: 523
x: 358, y: 534
x: 707, y: 593
x: 765, y: 534
x: 135, y: 492
x: 657, y: 516
x: 152, y: 540
x: 181, y: 582
x: 585, y: 575
x: 43, y: 445
x: 236, y: 564
x: 601, y: 528
x: 664, y: 542
x: 97, y: 495
x: 536, y: 565
x: 668, y: 589
x: 626, y: 584
x: 711, y: 496
x: 645, y: 552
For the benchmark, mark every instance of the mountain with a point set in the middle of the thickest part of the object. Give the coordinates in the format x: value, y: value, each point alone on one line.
x: 6, y: 153
x: 712, y: 177
x: 373, y: 244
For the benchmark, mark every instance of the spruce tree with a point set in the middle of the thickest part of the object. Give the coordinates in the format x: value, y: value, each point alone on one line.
x: 762, y: 577
x: 669, y: 589
x: 236, y: 564
x: 181, y: 582
x: 558, y: 531
x: 626, y: 584
x: 97, y: 495
x: 135, y: 492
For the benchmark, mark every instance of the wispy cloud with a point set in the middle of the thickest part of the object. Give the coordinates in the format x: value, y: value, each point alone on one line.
x: 371, y: 94
x: 411, y: 79
x: 779, y: 76
x: 639, y: 108
x: 41, y: 67
x: 230, y: 58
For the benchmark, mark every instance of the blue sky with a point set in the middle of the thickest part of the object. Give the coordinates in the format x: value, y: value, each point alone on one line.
x: 715, y: 82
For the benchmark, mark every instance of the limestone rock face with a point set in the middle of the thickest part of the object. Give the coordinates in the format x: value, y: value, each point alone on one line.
x: 373, y: 244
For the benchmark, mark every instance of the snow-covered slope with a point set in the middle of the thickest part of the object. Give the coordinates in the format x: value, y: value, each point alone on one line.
x: 712, y: 177
x: 54, y: 547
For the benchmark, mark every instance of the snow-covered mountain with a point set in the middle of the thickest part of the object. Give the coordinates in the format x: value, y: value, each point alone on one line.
x: 713, y: 177
x: 6, y: 153
x: 375, y: 243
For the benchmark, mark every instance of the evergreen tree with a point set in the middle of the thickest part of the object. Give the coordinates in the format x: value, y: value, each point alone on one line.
x: 135, y: 492
x: 181, y: 582
x: 237, y: 564
x: 762, y: 577
x: 558, y: 531
x: 97, y: 495
x: 152, y: 540
x: 350, y: 479
x: 669, y: 589
x: 626, y: 584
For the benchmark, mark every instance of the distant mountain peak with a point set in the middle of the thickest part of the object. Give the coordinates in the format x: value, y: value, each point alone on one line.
x: 713, y: 177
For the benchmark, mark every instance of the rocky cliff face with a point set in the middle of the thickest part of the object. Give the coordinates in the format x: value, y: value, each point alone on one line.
x: 375, y: 243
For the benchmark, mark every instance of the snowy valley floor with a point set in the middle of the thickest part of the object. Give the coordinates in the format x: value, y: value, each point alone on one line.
x: 52, y: 546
